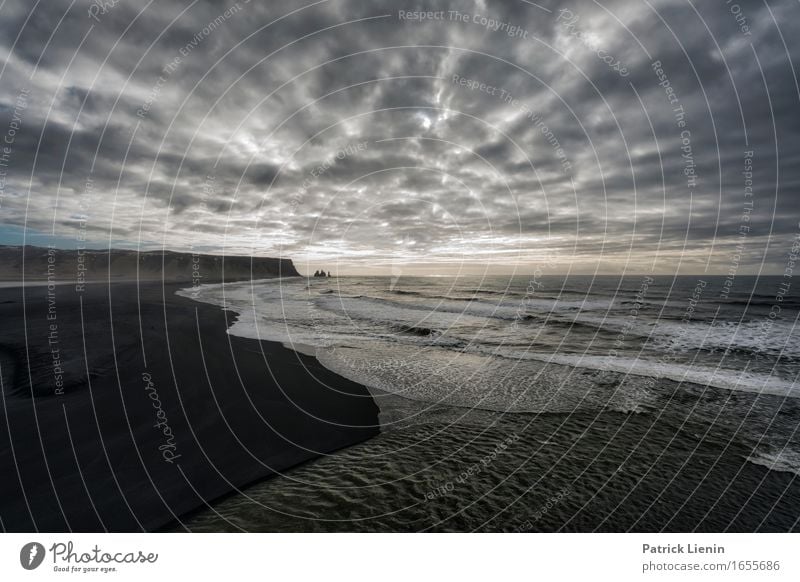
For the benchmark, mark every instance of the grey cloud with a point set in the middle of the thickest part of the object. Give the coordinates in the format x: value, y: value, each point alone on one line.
x: 440, y: 158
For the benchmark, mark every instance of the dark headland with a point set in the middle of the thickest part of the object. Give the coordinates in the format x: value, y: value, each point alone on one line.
x: 88, y: 265
x: 126, y: 406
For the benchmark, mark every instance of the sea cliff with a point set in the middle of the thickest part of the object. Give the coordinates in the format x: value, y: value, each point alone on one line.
x: 31, y: 263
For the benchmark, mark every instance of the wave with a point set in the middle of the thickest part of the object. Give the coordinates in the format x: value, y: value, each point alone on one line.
x: 783, y: 460
x: 411, y: 347
x: 402, y: 292
x: 415, y: 330
x: 476, y: 381
x: 726, y: 379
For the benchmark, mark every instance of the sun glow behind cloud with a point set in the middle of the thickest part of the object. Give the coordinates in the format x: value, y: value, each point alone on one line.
x: 340, y: 131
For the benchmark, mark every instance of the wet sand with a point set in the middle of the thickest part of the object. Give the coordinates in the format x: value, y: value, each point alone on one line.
x: 488, y: 472
x: 125, y: 407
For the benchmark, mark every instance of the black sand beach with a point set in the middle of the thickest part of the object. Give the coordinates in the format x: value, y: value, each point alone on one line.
x: 125, y: 406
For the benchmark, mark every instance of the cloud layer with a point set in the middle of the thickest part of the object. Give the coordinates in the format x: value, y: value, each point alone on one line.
x: 600, y: 136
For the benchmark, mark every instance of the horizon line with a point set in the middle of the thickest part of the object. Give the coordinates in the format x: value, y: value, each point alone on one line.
x: 330, y: 269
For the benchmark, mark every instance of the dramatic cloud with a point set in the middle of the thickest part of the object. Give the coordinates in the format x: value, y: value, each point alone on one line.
x: 503, y: 135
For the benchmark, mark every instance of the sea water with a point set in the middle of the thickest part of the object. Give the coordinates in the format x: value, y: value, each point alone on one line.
x: 692, y: 358
x: 497, y: 342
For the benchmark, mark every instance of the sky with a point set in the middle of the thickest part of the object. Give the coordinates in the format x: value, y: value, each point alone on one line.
x: 367, y: 138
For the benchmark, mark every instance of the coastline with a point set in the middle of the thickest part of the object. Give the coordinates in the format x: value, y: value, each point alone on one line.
x: 148, y: 409
x: 521, y: 447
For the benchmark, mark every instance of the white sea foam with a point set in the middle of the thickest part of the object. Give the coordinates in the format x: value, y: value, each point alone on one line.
x: 444, y: 350
x: 783, y: 337
x: 696, y: 374
x: 470, y: 380
x: 784, y: 460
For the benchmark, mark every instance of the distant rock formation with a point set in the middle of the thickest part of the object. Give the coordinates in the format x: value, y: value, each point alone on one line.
x: 321, y: 273
x: 127, y: 265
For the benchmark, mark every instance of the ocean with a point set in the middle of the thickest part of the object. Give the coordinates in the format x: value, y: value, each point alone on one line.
x: 539, y: 403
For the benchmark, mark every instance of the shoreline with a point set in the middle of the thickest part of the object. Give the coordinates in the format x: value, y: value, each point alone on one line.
x: 161, y: 411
